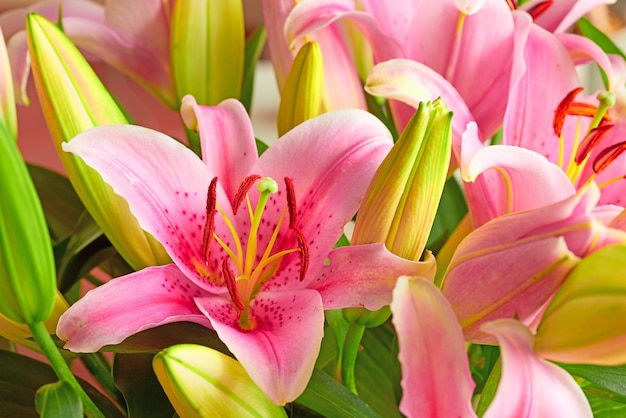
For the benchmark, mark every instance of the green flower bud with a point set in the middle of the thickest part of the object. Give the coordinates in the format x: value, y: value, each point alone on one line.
x: 400, y: 205
x: 301, y: 98
x: 207, y: 46
x: 27, y: 273
x: 73, y: 100
x: 202, y: 382
x: 586, y: 320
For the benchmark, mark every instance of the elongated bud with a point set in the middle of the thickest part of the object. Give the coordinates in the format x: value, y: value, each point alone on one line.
x: 202, y: 382
x: 73, y: 100
x: 301, y: 97
x: 207, y: 49
x: 586, y: 320
x: 402, y: 199
x: 27, y: 273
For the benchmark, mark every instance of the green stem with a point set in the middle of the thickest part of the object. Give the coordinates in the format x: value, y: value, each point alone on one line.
x: 350, y: 352
x: 101, y: 371
x: 60, y: 367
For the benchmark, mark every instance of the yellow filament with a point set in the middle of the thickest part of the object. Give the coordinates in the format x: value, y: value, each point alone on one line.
x: 233, y: 232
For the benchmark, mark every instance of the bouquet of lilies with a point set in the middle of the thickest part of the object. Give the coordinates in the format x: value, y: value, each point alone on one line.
x: 438, y: 231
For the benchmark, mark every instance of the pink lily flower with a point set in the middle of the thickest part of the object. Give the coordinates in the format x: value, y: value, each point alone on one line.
x: 549, y: 118
x: 248, y: 236
x: 469, y: 50
x: 557, y: 15
x: 515, y: 263
x: 426, y: 323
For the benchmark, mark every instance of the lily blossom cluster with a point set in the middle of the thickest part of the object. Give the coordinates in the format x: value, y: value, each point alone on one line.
x: 442, y: 212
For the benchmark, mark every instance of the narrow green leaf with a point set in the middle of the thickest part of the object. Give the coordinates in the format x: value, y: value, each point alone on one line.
x: 261, y: 146
x: 329, y: 398
x: 600, y: 38
x: 612, y: 378
x: 604, y: 408
x: 61, y: 204
x: 58, y: 400
x: 489, y: 390
x: 254, y: 48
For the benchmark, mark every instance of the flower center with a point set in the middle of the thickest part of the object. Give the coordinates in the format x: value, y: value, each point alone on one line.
x: 248, y: 266
x: 592, y: 140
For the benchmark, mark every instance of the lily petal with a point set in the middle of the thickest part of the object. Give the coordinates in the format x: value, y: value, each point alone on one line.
x: 563, y: 13
x: 530, y: 386
x: 280, y: 353
x: 347, y: 147
x: 225, y: 135
x: 506, y: 179
x: 150, y: 297
x: 127, y: 155
x: 427, y: 328
x: 528, y: 122
x: 412, y: 82
x: 370, y: 271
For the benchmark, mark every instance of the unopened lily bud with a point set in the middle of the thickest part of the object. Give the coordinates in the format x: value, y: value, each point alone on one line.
x: 8, y: 114
x: 586, y: 320
x: 400, y: 205
x: 73, y: 100
x: 27, y: 273
x: 202, y: 382
x: 301, y: 97
x: 207, y: 45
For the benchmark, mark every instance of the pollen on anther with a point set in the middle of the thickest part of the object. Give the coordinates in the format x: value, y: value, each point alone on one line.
x: 231, y: 285
x: 209, y: 225
x: 244, y: 187
x: 291, y: 202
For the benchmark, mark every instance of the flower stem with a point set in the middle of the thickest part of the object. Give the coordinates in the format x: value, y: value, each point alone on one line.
x: 60, y: 367
x: 350, y: 352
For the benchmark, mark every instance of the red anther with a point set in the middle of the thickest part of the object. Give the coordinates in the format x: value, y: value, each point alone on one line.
x: 512, y: 4
x: 291, y: 202
x: 304, y: 252
x: 562, y: 110
x: 607, y: 156
x: 231, y: 285
x: 539, y: 8
x: 244, y: 187
x: 209, y: 223
x: 592, y: 139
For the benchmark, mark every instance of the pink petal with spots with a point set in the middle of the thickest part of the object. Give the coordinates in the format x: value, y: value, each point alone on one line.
x: 530, y: 386
x: 365, y: 275
x: 126, y: 305
x: 427, y: 328
x: 331, y: 160
x: 280, y: 352
x: 228, y: 145
x: 164, y: 183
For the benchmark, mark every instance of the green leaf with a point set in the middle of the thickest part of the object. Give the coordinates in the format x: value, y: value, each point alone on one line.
x: 254, y: 48
x: 603, y: 408
x: 610, y: 377
x: 61, y: 204
x: 261, y: 146
x: 58, y: 400
x: 329, y: 398
x: 136, y: 380
x: 489, y: 390
x: 21, y: 377
x: 602, y: 40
